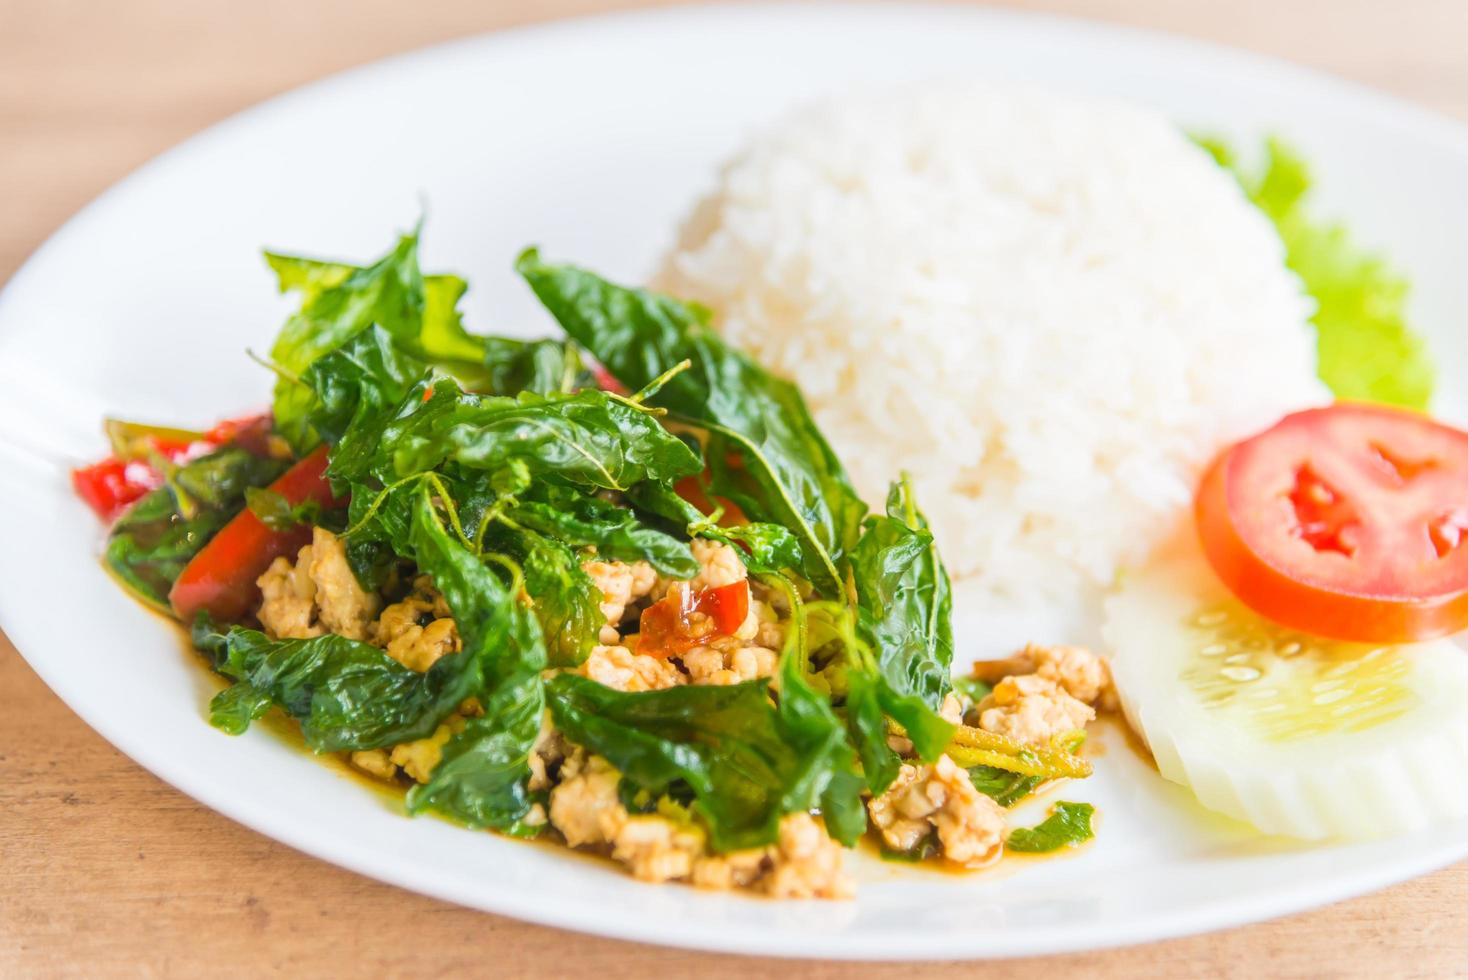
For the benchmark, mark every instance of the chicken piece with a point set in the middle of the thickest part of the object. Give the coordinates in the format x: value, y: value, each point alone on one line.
x: 737, y: 869
x: 375, y: 762
x: 719, y: 564
x: 620, y: 668
x: 1032, y: 709
x: 419, y: 759
x: 621, y: 585
x: 1084, y: 676
x: 807, y: 863
x: 770, y: 631
x: 288, y: 598
x: 657, y: 849
x: 409, y: 632
x: 584, y: 807
x: 316, y: 594
x: 952, y: 709
x: 727, y: 661
x: 939, y: 797
x: 342, y: 605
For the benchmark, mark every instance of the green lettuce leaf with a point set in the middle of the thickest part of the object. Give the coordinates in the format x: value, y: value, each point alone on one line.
x: 1367, y: 351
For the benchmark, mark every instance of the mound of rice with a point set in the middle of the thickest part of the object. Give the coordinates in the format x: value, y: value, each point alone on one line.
x: 1051, y: 311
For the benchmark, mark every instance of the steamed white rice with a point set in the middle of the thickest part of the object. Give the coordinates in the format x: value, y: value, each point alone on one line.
x: 1051, y: 311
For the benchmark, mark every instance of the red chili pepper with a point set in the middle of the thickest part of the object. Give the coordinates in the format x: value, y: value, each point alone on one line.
x: 690, y: 488
x: 606, y: 382
x: 686, y: 618
x: 221, y: 577
x: 110, y: 486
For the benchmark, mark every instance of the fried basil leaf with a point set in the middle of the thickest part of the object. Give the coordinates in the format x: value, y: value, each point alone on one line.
x: 356, y: 385
x: 1004, y: 787
x: 580, y: 519
x: 786, y: 472
x: 587, y: 439
x: 542, y: 366
x: 349, y: 695
x: 482, y: 776
x: 747, y: 760
x: 905, y: 608
x: 1067, y: 825
x: 151, y: 543
x: 338, y: 302
x: 278, y: 513
x: 566, y: 601
x: 765, y: 548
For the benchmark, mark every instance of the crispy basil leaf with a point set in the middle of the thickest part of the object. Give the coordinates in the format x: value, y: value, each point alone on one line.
x: 1005, y: 787
x: 905, y: 608
x: 730, y: 745
x: 337, y: 303
x: 356, y: 385
x: 541, y: 366
x: 349, y: 695
x: 1069, y: 824
x: 278, y: 513
x: 151, y: 543
x: 580, y: 519
x: 747, y: 760
x: 587, y: 439
x: 787, y: 473
x: 830, y: 779
x: 566, y: 601
x: 483, y: 774
x: 765, y: 548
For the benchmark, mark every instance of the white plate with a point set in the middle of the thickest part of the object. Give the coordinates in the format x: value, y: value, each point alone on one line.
x: 590, y: 137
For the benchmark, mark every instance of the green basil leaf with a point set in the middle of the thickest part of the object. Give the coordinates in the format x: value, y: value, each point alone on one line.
x: 151, y: 543
x: 587, y: 439
x: 787, y: 473
x: 906, y: 606
x: 1004, y: 787
x: 278, y: 513
x: 580, y: 519
x: 483, y: 774
x: 1067, y: 825
x: 541, y: 366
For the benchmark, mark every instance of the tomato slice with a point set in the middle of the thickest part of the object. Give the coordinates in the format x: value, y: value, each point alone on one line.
x: 1348, y: 522
x: 685, y: 618
x: 220, y: 579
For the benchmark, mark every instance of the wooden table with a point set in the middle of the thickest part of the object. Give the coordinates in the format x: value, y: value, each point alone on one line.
x: 108, y: 871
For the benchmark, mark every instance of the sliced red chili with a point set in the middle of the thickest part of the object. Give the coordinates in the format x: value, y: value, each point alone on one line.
x: 686, y: 618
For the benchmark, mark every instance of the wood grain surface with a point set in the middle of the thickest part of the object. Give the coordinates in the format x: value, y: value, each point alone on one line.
x: 106, y: 871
